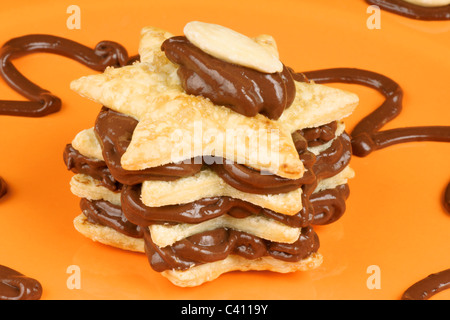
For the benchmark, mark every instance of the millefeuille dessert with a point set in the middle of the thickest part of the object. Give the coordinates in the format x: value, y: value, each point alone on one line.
x: 210, y: 156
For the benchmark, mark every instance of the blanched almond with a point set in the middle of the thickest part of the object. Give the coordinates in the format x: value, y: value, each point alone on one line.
x: 231, y: 46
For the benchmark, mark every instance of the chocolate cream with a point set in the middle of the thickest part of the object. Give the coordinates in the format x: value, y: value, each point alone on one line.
x: 3, y: 187
x: 218, y: 244
x: 326, y: 206
x: 115, y: 130
x: 42, y: 102
x: 412, y: 10
x: 107, y: 214
x: 16, y: 286
x: 244, y: 90
x: 428, y: 287
x: 446, y: 198
x: 366, y: 136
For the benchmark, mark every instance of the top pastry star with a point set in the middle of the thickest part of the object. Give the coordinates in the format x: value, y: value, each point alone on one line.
x: 176, y: 126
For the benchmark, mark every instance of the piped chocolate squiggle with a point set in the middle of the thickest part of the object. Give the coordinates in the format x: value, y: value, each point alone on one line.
x: 3, y: 187
x: 214, y: 245
x: 426, y: 288
x: 42, y: 102
x: 16, y: 286
x: 446, y: 198
x: 412, y: 10
x: 366, y: 136
x: 326, y: 206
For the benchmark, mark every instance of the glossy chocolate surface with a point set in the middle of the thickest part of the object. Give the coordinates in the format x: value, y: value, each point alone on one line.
x: 3, y: 187
x: 107, y: 214
x: 366, y: 136
x: 429, y: 286
x: 97, y: 169
x: 242, y: 89
x: 412, y: 10
x: 16, y: 286
x: 214, y: 245
x: 42, y: 102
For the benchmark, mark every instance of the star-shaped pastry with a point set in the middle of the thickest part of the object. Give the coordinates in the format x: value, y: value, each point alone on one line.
x: 175, y: 126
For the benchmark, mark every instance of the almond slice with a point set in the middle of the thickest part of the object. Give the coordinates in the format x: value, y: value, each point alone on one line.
x: 429, y: 3
x: 231, y: 46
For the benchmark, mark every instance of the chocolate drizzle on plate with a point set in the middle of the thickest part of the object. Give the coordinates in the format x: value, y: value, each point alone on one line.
x: 366, y: 136
x: 412, y: 10
x: 42, y: 102
x: 446, y: 199
x: 429, y: 286
x: 3, y: 187
x: 16, y: 286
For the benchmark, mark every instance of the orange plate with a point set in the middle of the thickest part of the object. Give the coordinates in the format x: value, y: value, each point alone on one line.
x: 394, y: 217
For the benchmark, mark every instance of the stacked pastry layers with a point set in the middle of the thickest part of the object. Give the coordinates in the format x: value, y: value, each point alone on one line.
x: 224, y: 207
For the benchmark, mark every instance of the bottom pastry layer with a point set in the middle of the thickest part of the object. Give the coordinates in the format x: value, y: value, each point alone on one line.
x: 197, y: 274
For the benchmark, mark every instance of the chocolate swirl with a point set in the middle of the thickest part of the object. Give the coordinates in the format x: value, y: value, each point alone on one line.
x: 242, y: 89
x: 198, y: 211
x: 42, y: 102
x: 97, y: 169
x: 412, y: 10
x: 107, y: 214
x: 366, y: 136
x: 16, y: 286
x: 3, y: 187
x: 428, y: 287
x: 215, y: 245
x: 319, y: 135
x: 329, y: 205
x: 446, y: 198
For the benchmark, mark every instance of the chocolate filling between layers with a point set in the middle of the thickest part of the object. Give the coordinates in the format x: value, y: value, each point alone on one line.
x: 115, y: 130
x: 218, y: 244
x: 97, y: 169
x: 326, y: 206
x: 105, y: 213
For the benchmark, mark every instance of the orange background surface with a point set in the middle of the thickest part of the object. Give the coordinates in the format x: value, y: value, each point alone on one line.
x: 394, y: 218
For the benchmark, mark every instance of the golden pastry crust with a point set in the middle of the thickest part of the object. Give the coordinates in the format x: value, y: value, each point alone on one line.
x: 87, y: 143
x: 107, y: 235
x: 84, y: 186
x: 150, y: 91
x: 337, y: 180
x: 260, y: 226
x: 207, y: 183
x: 315, y: 105
x: 198, y: 275
x: 187, y: 126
